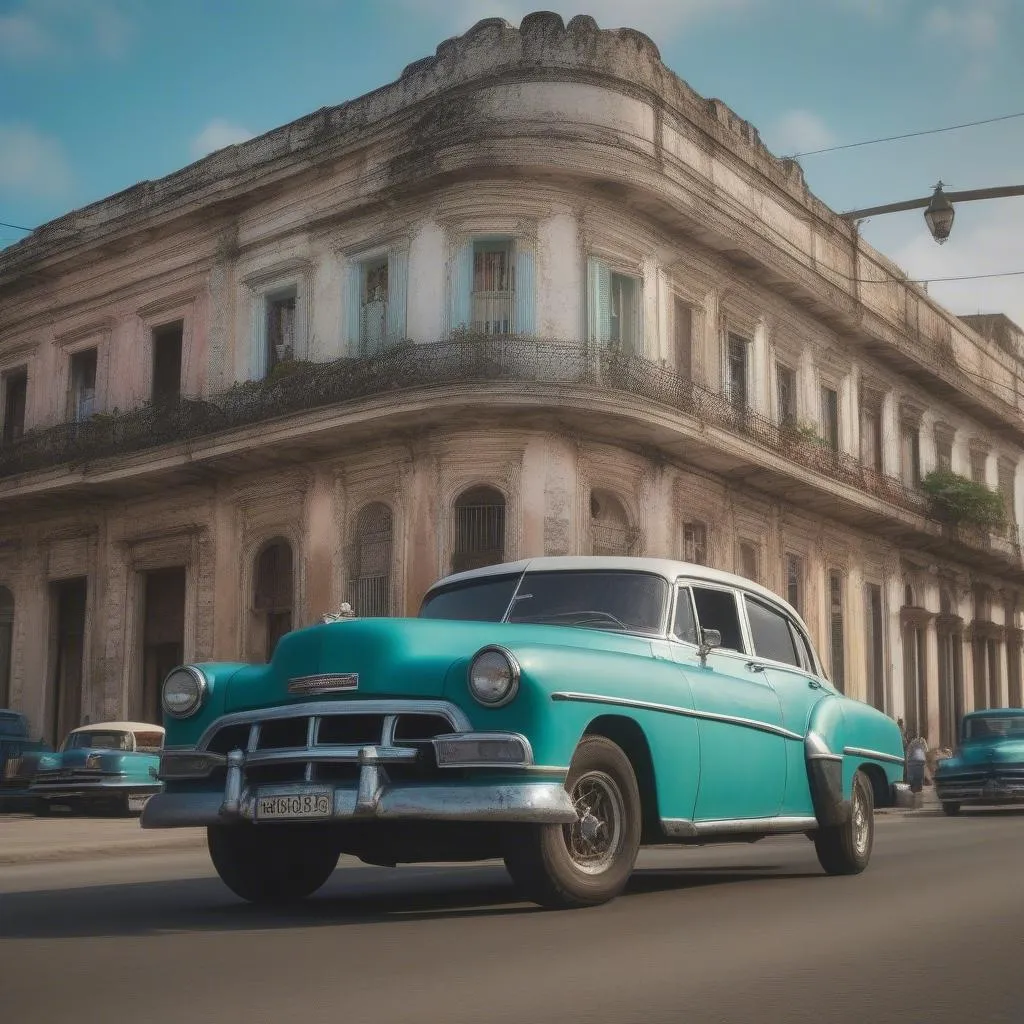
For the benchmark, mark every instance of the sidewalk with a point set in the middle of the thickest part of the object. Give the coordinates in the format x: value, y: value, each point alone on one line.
x: 26, y: 839
x: 925, y: 802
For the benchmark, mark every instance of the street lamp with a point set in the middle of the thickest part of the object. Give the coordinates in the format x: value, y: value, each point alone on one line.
x: 938, y: 208
x: 939, y: 215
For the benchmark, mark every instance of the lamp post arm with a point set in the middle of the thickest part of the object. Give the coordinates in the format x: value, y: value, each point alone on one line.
x: 1000, y: 192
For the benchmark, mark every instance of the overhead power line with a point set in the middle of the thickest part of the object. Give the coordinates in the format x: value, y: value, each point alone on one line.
x: 909, y: 135
x: 17, y: 227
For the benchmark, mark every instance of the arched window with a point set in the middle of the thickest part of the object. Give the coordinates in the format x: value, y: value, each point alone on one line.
x: 6, y: 645
x: 479, y: 529
x: 610, y: 532
x: 372, y: 561
x: 273, y: 594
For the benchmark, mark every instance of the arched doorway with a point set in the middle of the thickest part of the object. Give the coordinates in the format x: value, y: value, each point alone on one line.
x: 610, y: 532
x: 273, y: 595
x: 479, y: 529
x: 372, y: 567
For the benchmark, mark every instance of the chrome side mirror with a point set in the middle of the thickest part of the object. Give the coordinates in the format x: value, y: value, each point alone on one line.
x: 709, y: 640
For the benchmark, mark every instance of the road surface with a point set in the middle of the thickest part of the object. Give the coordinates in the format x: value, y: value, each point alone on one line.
x: 931, y: 932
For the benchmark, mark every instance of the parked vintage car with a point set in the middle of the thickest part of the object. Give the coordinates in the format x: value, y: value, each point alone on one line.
x: 108, y: 765
x: 988, y: 765
x: 556, y: 712
x: 15, y: 744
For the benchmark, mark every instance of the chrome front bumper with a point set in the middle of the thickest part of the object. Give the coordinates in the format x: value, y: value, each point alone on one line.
x: 372, y: 794
x: 97, y: 788
x: 991, y: 791
x: 527, y: 802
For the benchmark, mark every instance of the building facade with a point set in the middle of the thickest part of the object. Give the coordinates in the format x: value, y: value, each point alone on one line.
x: 535, y: 297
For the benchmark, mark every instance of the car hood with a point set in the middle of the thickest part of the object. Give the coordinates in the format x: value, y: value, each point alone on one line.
x: 398, y: 657
x: 982, y: 752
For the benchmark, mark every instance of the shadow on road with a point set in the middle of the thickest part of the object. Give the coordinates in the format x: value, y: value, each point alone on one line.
x: 362, y: 897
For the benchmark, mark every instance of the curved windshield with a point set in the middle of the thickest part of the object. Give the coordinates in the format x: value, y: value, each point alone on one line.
x: 994, y: 726
x: 620, y: 601
x: 99, y: 739
x: 627, y: 602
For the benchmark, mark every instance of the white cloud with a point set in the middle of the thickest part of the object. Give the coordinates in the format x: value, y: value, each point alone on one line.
x: 660, y: 19
x: 798, y: 131
x: 216, y: 135
x: 32, y: 164
x: 975, y: 26
x: 44, y: 28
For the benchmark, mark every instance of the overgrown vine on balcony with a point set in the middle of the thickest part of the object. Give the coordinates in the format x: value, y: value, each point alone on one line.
x: 959, y: 500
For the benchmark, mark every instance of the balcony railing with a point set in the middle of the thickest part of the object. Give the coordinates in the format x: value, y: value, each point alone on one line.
x: 300, y: 386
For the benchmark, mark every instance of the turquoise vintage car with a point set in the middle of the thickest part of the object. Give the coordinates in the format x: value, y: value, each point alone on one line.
x: 988, y: 766
x: 110, y: 765
x: 556, y: 712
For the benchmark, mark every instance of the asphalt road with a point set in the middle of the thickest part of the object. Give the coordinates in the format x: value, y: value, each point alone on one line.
x: 931, y: 932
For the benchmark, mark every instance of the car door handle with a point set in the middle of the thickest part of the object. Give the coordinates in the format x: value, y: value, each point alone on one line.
x: 814, y: 684
x: 755, y: 666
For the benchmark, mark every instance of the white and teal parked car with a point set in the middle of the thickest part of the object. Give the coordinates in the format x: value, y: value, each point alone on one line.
x: 107, y: 766
x: 555, y: 712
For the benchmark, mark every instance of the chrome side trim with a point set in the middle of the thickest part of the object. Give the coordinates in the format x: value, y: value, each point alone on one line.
x: 455, y: 715
x: 540, y: 803
x: 669, y: 709
x: 874, y: 755
x: 816, y: 749
x: 685, y: 828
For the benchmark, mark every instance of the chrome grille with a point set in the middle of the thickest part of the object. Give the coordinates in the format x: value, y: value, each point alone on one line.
x: 322, y: 741
x: 66, y: 776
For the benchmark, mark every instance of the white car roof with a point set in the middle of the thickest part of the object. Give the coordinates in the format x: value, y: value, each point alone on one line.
x: 120, y: 727
x: 668, y: 568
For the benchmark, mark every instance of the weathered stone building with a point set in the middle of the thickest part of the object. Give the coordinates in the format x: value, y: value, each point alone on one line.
x: 536, y: 296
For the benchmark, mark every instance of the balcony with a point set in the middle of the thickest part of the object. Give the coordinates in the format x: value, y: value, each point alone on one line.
x: 702, y: 427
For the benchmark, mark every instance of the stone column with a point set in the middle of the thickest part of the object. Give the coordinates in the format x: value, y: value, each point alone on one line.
x: 425, y: 519
x: 227, y: 644
x: 319, y: 548
x: 931, y: 675
x: 890, y: 434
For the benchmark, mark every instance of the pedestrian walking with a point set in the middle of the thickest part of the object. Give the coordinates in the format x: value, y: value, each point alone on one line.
x: 916, y: 759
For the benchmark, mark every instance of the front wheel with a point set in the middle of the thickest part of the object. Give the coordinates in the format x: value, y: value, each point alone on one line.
x: 272, y: 863
x: 590, y: 861
x: 846, y: 849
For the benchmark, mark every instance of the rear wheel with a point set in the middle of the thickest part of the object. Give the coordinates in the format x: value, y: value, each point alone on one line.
x: 951, y: 809
x: 589, y: 861
x: 846, y: 849
x: 272, y: 863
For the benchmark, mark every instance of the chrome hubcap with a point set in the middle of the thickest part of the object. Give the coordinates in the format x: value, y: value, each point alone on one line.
x: 595, y: 839
x: 860, y: 822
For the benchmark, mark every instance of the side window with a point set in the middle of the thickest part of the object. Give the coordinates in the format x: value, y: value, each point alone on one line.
x: 804, y: 646
x: 716, y: 609
x: 770, y: 632
x: 684, y: 625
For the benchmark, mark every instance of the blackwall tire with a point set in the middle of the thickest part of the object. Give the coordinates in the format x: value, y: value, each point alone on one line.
x: 589, y: 862
x: 272, y: 864
x: 846, y: 849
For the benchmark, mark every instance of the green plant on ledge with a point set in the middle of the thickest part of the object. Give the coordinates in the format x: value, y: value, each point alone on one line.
x: 958, y: 499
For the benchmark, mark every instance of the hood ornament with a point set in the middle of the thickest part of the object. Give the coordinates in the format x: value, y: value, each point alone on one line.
x: 344, y: 612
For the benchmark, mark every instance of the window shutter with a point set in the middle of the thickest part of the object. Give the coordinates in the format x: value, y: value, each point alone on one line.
x: 353, y: 307
x: 258, y: 337
x: 460, y: 286
x: 525, y: 316
x: 398, y: 290
x: 599, y: 296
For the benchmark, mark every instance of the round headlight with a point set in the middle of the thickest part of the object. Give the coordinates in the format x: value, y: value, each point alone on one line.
x: 494, y: 676
x: 183, y: 692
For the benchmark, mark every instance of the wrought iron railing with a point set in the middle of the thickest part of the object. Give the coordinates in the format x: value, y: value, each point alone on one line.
x: 299, y: 386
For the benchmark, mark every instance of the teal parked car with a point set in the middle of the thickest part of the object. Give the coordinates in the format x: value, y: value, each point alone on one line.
x: 988, y: 765
x: 556, y: 712
x: 107, y: 766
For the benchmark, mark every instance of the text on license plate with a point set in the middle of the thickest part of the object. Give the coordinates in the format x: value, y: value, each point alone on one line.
x: 294, y: 805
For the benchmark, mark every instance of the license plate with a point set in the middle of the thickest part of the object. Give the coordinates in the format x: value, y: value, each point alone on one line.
x: 293, y: 806
x: 136, y: 801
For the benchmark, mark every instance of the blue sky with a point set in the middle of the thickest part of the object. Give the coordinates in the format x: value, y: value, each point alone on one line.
x: 96, y: 95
